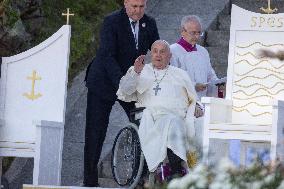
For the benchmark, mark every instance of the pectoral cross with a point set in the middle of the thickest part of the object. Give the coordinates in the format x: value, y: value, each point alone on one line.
x: 156, y: 89
x: 32, y: 95
x: 68, y: 14
x: 268, y: 10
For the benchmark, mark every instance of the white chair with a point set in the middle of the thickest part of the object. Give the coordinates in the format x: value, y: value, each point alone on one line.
x: 253, y: 109
x: 33, y: 89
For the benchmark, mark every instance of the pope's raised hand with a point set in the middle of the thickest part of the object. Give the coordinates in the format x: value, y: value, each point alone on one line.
x: 139, y: 64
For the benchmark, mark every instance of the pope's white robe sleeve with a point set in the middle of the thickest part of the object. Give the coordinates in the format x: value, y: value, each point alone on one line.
x: 127, y: 86
x: 192, y: 96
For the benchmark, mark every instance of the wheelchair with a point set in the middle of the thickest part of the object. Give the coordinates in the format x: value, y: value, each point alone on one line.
x: 127, y: 160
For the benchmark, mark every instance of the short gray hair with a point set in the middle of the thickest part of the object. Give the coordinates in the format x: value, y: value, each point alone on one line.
x: 164, y: 42
x: 190, y: 18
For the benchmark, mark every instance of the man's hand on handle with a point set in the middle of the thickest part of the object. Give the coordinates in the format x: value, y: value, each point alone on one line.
x: 139, y: 64
x: 198, y: 111
x: 200, y: 87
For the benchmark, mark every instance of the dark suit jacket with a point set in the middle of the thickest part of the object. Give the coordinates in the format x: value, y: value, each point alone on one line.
x: 117, y: 52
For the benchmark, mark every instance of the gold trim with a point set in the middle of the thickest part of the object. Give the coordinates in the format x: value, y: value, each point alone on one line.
x: 249, y: 63
x: 259, y: 68
x: 38, y: 187
x: 253, y: 115
x: 32, y: 95
x: 242, y: 91
x: 237, y: 124
x: 259, y: 77
x: 261, y: 105
x: 17, y: 148
x: 258, y: 84
x: 19, y: 142
x: 256, y: 142
x: 268, y: 10
x: 239, y: 131
x: 250, y: 53
x: 264, y: 45
x: 237, y: 98
x: 67, y: 14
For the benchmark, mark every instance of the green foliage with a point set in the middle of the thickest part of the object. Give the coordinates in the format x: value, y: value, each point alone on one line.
x: 11, y: 15
x: 7, y: 161
x: 85, y: 27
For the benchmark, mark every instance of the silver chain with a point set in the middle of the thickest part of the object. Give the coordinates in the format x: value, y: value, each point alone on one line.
x: 156, y: 79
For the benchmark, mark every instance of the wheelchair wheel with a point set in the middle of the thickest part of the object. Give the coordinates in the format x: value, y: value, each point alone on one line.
x: 127, y: 157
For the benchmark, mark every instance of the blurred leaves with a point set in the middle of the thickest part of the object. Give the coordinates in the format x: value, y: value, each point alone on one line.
x: 85, y: 27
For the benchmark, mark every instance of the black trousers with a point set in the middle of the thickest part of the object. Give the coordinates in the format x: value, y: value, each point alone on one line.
x: 175, y: 162
x: 97, y: 119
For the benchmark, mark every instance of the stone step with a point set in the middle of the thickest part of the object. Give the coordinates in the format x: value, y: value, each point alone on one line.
x: 108, y: 183
x: 171, y: 36
x: 170, y: 7
x: 227, y: 9
x: 221, y: 71
x: 169, y: 21
x: 105, y: 169
x: 217, y: 38
x: 72, y: 171
x: 73, y: 150
x: 219, y: 59
x: 218, y: 62
x: 75, y: 173
x: 224, y: 22
x: 172, y: 21
x: 220, y: 68
x: 151, y: 6
x: 220, y: 53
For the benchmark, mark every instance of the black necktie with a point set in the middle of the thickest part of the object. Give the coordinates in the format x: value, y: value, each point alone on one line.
x: 133, y: 24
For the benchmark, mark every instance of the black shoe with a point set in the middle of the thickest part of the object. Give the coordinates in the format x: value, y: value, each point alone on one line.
x: 91, y: 185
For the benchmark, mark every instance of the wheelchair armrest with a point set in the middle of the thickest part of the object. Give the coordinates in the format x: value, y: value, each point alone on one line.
x: 133, y: 112
x: 217, y: 110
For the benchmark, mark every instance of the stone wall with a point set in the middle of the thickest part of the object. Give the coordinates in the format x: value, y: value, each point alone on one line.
x: 20, y: 21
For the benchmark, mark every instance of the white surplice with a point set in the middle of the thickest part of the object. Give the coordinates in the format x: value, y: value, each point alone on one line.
x: 197, y: 65
x: 167, y: 120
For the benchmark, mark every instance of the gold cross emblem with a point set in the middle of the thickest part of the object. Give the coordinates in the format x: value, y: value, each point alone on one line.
x: 268, y: 10
x: 32, y: 95
x: 68, y: 14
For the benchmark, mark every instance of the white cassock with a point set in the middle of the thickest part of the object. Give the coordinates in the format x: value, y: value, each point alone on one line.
x: 168, y: 119
x: 197, y: 65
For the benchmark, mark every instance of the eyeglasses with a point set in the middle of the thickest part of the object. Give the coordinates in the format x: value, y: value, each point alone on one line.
x: 196, y: 33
